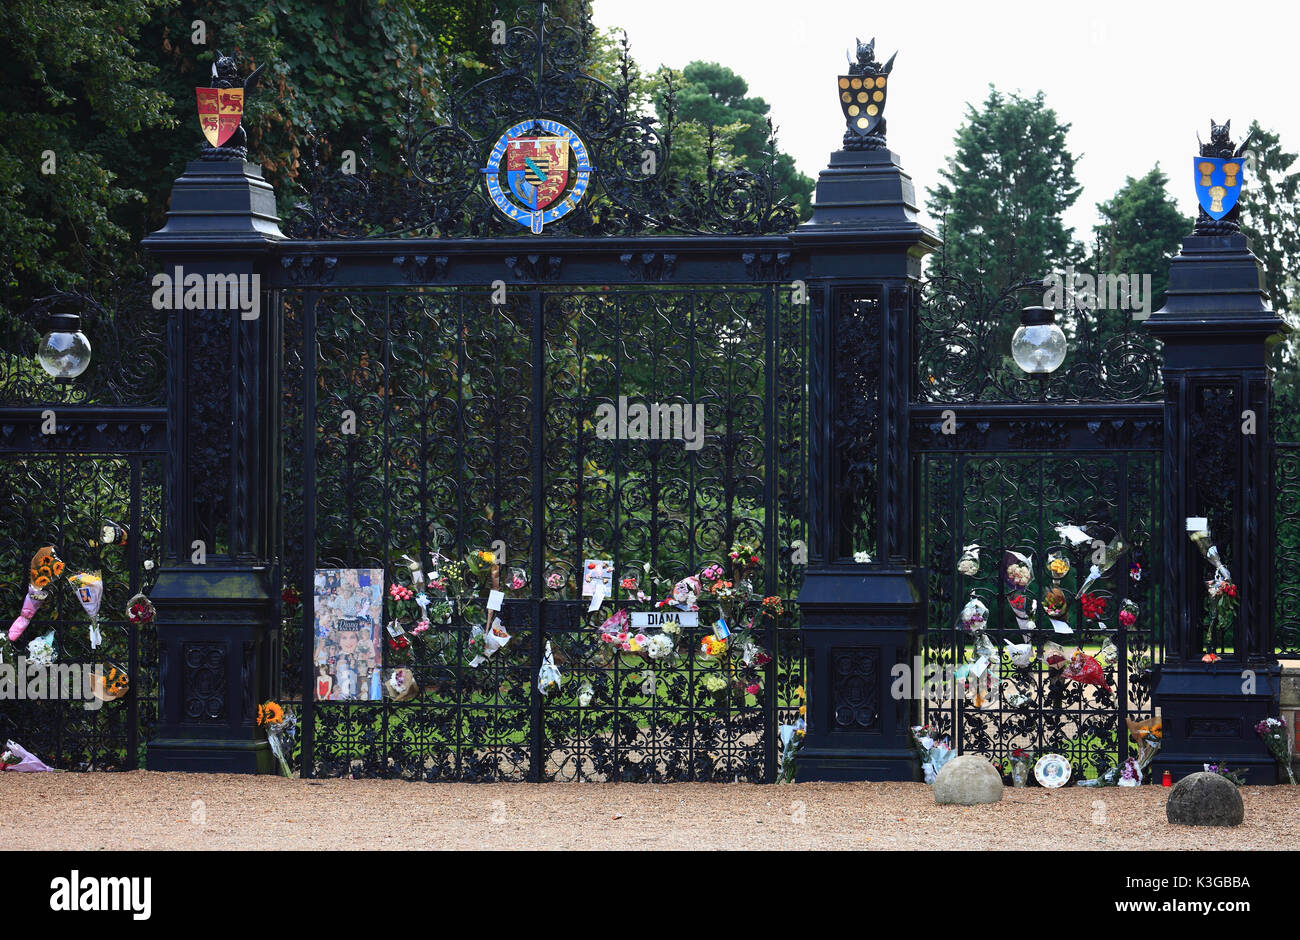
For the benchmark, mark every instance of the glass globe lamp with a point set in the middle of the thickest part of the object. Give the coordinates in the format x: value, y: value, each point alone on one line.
x: 64, y: 351
x: 1038, y: 346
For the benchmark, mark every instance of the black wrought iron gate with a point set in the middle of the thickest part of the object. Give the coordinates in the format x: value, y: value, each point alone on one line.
x: 1000, y: 460
x: 475, y: 427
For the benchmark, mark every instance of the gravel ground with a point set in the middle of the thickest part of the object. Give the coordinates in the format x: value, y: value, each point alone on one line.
x: 159, y: 811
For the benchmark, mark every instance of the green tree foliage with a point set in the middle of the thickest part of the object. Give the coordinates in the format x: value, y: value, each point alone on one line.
x: 709, y: 95
x: 77, y: 92
x: 1270, y: 218
x: 1006, y: 189
x: 1270, y: 215
x: 1140, y: 231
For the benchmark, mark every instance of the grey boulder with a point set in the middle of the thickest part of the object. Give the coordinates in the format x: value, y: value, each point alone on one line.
x: 1205, y: 799
x: 967, y: 780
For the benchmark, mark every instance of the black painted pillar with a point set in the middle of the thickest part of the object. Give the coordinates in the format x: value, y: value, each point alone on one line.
x: 1216, y: 327
x: 860, y: 620
x: 216, y: 590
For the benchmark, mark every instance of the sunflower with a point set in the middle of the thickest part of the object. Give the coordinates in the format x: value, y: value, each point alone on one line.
x: 270, y: 714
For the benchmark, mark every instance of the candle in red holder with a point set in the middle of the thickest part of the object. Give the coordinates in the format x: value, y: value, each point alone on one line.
x: 1167, y: 780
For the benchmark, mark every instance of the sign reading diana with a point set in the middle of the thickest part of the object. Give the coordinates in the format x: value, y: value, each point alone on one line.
x: 537, y: 172
x: 657, y: 618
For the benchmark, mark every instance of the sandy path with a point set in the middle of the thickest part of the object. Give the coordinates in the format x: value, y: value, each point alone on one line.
x: 217, y: 811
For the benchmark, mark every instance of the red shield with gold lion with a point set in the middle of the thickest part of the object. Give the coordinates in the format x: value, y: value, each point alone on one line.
x: 220, y: 111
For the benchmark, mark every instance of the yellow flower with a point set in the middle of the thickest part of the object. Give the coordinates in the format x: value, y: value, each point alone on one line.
x: 798, y: 693
x: 487, y: 556
x: 803, y: 710
x: 270, y: 714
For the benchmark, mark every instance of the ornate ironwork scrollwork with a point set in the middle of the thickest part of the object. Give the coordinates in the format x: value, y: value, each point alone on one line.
x: 128, y: 360
x: 541, y: 76
x: 963, y: 351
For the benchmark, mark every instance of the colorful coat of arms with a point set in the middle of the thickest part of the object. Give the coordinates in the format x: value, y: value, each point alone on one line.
x: 538, y: 172
x: 220, y: 111
x: 1218, y: 183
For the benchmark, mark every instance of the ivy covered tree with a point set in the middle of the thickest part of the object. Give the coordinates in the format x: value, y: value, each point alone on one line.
x: 78, y: 92
x: 1005, y: 191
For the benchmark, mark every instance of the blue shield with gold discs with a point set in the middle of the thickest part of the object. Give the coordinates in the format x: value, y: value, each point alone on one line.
x: 862, y: 99
x: 1218, y: 183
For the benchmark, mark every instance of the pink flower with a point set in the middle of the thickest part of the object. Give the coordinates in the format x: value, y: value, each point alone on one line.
x: 617, y: 620
x: 516, y: 583
x: 752, y: 689
x: 399, y: 593
x: 438, y: 584
x: 421, y: 627
x: 555, y: 580
x: 1127, y: 617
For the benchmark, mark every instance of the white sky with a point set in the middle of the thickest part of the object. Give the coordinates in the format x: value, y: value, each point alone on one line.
x: 1137, y: 79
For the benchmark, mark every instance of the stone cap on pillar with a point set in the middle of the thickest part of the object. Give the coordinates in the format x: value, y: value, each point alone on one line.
x: 864, y: 189
x: 218, y: 202
x: 866, y: 193
x: 1216, y: 291
x: 879, y: 589
x: 231, y: 584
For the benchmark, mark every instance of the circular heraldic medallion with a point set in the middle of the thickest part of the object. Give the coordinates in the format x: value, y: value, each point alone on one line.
x: 537, y: 173
x: 1052, y: 771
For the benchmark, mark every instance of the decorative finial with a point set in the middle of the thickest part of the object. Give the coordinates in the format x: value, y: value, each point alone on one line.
x: 221, y: 109
x: 862, y: 98
x: 1219, y: 172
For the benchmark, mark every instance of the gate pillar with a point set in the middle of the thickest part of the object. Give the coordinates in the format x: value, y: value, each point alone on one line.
x: 1216, y: 327
x: 216, y: 590
x: 861, y: 619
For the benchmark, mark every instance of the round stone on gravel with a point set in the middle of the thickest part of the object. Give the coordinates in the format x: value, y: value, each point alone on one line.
x: 967, y: 780
x: 1205, y: 799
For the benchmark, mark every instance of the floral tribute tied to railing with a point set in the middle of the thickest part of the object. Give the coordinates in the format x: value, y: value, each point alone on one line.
x: 1071, y: 589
